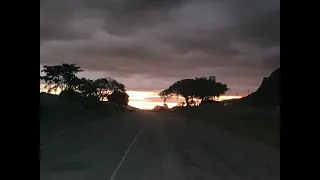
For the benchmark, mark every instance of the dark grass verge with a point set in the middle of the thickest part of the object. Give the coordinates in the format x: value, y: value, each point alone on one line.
x: 57, y: 115
x: 259, y: 124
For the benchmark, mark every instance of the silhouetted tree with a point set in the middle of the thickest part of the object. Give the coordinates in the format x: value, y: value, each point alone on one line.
x: 182, y: 88
x: 87, y: 88
x: 83, y: 88
x: 165, y: 95
x: 119, y: 98
x: 197, y: 88
x: 70, y: 94
x: 60, y: 76
x: 106, y: 86
x: 208, y: 89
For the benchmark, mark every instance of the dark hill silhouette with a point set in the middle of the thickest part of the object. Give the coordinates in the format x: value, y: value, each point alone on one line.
x: 268, y: 94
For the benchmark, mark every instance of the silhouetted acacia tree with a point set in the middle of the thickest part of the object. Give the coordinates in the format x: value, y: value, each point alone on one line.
x: 165, y: 95
x: 87, y: 88
x: 198, y: 88
x: 206, y: 89
x: 60, y: 76
x: 106, y: 86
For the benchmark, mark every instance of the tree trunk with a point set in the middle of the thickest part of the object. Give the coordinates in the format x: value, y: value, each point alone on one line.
x: 187, y: 101
x: 203, y: 99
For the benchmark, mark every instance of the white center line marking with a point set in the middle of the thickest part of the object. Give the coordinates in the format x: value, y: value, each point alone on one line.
x: 125, y: 155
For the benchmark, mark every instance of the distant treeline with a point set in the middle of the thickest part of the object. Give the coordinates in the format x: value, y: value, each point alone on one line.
x: 64, y: 77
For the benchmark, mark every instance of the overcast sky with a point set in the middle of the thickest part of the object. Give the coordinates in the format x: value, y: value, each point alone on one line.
x: 148, y: 45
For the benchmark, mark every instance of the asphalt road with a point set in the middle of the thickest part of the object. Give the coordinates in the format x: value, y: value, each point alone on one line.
x: 155, y: 146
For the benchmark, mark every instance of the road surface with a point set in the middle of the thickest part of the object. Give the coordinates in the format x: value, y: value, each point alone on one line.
x: 155, y: 146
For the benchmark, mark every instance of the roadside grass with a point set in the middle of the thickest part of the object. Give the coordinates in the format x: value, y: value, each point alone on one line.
x: 57, y: 115
x: 257, y: 123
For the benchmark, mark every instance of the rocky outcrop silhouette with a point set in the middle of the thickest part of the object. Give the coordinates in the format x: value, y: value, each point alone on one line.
x: 268, y: 94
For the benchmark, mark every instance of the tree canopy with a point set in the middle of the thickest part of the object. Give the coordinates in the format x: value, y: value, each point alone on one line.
x: 64, y: 77
x: 198, y: 88
x: 60, y: 76
x: 106, y: 86
x: 119, y: 98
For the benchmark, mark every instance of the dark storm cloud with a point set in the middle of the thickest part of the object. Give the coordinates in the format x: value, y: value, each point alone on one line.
x: 272, y: 61
x: 142, y: 42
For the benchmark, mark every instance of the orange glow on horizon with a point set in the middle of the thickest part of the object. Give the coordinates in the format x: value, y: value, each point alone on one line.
x: 139, y: 99
x: 148, y: 100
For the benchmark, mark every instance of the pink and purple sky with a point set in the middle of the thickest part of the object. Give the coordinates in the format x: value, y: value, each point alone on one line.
x: 148, y: 45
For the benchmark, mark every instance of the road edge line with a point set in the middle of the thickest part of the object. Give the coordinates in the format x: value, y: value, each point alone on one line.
x: 125, y: 155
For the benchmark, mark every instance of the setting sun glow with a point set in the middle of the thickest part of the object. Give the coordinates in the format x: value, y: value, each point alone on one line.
x: 148, y: 100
